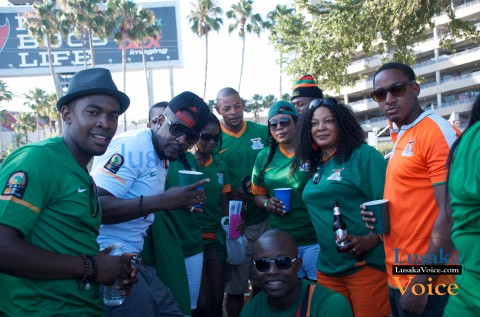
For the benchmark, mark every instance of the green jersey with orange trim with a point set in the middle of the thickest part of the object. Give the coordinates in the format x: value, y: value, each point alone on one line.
x: 217, y: 171
x: 361, y: 178
x: 55, y: 209
x: 183, y: 221
x: 464, y: 189
x: 322, y: 303
x: 277, y: 175
x: 239, y: 152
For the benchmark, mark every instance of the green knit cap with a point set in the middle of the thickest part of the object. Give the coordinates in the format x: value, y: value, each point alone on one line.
x: 288, y: 108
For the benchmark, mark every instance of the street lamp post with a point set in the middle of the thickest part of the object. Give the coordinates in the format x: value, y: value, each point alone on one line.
x: 170, y: 72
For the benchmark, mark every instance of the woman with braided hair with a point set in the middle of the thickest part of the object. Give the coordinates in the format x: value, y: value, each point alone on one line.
x: 275, y: 168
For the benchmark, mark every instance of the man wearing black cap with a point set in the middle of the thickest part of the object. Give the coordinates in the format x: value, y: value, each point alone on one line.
x: 49, y: 212
x: 131, y: 185
x: 306, y: 89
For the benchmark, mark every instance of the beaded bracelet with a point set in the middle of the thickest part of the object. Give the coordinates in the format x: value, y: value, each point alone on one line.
x: 84, y: 280
x: 94, y: 267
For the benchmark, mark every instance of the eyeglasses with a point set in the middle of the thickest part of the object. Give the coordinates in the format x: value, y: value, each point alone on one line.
x: 207, y: 137
x: 397, y: 90
x: 318, y: 102
x: 94, y: 201
x: 283, y: 263
x: 178, y: 129
x: 284, y: 122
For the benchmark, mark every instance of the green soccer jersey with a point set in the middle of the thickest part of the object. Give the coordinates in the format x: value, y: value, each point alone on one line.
x: 464, y: 189
x: 351, y: 183
x: 54, y: 208
x: 239, y: 152
x: 324, y: 303
x: 216, y: 170
x: 183, y: 221
x: 277, y: 175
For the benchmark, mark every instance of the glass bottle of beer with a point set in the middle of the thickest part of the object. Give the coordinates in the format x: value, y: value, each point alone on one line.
x: 339, y: 227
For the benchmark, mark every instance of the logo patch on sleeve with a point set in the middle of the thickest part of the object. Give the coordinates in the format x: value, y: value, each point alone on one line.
x: 114, y: 163
x: 16, y: 184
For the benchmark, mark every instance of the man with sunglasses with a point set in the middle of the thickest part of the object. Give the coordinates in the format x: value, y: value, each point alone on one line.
x: 242, y: 141
x: 49, y: 212
x: 131, y: 179
x: 415, y: 187
x: 276, y: 265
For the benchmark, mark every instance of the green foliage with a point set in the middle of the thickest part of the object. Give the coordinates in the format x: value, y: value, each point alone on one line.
x: 25, y: 122
x: 325, y: 45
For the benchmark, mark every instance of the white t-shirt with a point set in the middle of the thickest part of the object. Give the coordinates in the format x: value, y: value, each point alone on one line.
x: 129, y: 168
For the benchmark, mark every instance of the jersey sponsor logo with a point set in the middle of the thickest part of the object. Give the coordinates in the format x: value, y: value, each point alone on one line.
x: 114, y: 164
x: 81, y: 190
x: 153, y: 174
x: 257, y: 144
x: 220, y: 178
x: 336, y: 175
x: 408, y: 151
x: 16, y: 184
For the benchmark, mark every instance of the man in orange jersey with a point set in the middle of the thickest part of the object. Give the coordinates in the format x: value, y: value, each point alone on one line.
x: 416, y: 189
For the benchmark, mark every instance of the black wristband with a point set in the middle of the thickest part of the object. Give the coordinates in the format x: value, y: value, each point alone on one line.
x: 94, y: 267
x: 140, y: 202
x: 84, y: 280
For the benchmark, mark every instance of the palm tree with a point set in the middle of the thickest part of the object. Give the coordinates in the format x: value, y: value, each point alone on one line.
x: 268, y: 101
x: 273, y: 17
x: 25, y: 122
x: 5, y: 95
x: 245, y: 21
x: 256, y: 106
x: 122, y: 14
x: 36, y: 99
x: 147, y: 27
x: 43, y: 25
x: 85, y: 15
x: 50, y: 113
x: 204, y: 18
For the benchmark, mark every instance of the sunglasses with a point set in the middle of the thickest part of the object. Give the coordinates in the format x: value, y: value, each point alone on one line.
x: 178, y: 129
x: 397, y: 90
x: 318, y: 102
x: 283, y: 263
x: 94, y: 201
x: 207, y: 137
x: 283, y: 122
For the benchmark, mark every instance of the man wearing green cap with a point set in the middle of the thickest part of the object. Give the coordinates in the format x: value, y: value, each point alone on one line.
x: 276, y: 167
x: 242, y: 140
x: 306, y: 89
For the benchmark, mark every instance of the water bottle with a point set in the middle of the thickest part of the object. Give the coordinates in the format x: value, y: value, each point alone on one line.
x: 111, y: 295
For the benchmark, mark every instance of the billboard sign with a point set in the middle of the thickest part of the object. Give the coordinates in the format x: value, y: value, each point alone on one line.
x: 21, y: 55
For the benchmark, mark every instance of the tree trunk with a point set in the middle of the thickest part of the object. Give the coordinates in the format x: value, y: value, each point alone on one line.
x: 241, y: 65
x: 90, y: 39
x: 84, y: 49
x: 38, y: 126
x: 206, y: 66
x: 281, y: 74
x: 52, y: 72
x: 146, y: 73
x: 124, y: 64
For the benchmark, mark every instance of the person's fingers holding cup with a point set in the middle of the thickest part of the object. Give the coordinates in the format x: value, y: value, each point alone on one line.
x: 367, y: 217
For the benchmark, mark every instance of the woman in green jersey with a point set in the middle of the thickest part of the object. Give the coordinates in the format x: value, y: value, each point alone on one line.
x: 344, y: 169
x: 214, y: 208
x: 273, y: 169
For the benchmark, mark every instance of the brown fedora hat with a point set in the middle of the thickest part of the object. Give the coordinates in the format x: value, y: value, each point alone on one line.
x: 93, y: 81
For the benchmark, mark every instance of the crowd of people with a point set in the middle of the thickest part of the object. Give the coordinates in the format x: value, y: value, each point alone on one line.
x: 59, y: 218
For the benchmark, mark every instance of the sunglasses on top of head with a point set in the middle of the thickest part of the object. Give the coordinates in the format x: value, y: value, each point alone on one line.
x: 178, y: 129
x: 284, y: 122
x: 326, y: 101
x: 207, y: 137
x: 397, y: 90
x: 283, y: 263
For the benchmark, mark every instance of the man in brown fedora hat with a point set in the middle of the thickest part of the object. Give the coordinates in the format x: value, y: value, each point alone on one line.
x: 131, y: 179
x: 49, y: 210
